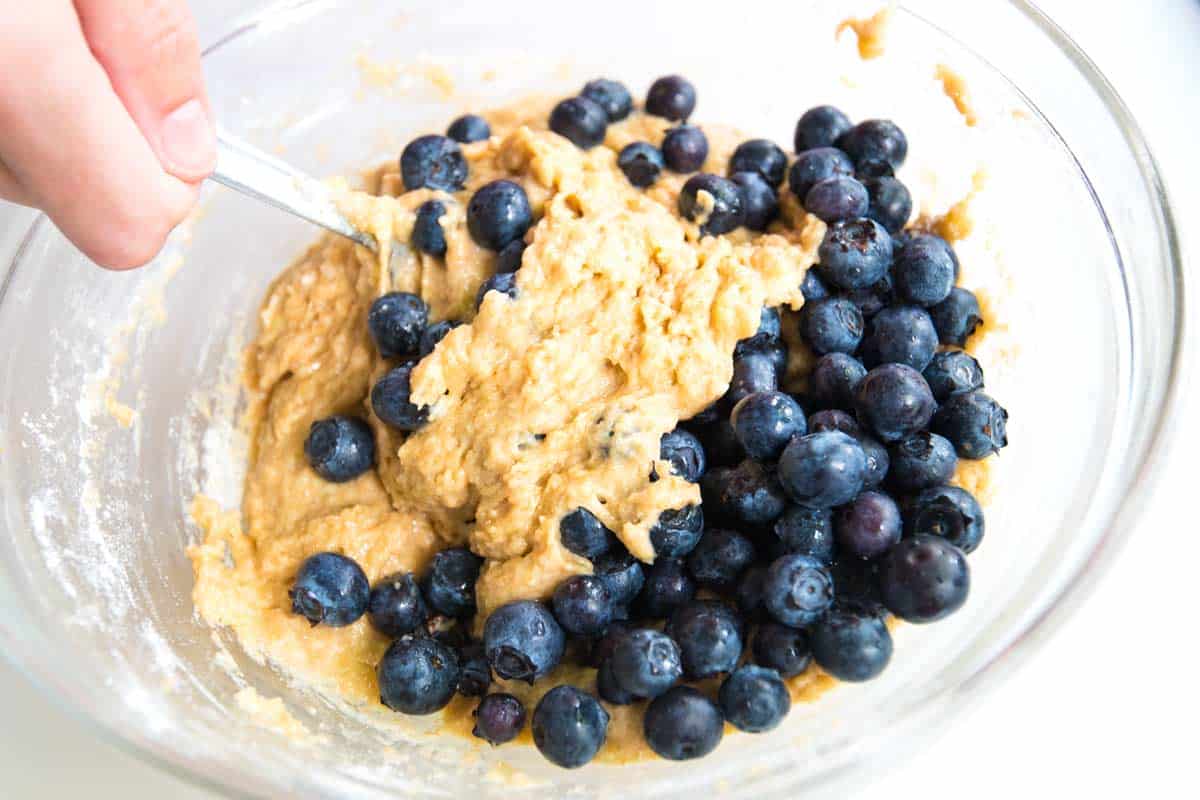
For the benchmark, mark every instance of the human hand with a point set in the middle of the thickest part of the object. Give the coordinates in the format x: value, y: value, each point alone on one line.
x: 104, y: 120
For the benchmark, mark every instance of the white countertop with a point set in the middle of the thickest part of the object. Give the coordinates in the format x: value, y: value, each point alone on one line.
x: 1106, y: 710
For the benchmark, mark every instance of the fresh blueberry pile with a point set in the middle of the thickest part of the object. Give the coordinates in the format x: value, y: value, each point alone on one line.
x: 823, y: 513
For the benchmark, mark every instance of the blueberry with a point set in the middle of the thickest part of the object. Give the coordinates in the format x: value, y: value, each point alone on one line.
x: 753, y: 372
x: 582, y: 605
x: 832, y: 325
x: 720, y: 558
x: 953, y: 372
x: 646, y: 663
x: 807, y: 532
x: 868, y: 526
x: 820, y: 127
x: 765, y: 422
x: 523, y: 641
x: 584, y: 535
x: 396, y: 606
x: 499, y: 718
x: 609, y: 689
x: 924, y: 578
x: 340, y: 448
x: 450, y: 583
x: 875, y: 139
x: 504, y: 283
x: 878, y: 461
x: 475, y: 675
x: 672, y: 97
x: 956, y: 317
x: 667, y: 586
x: 434, y: 162
x: 721, y: 447
x: 797, y: 590
x: 684, y: 148
x: 498, y: 214
x: 834, y: 379
x: 683, y: 724
x: 890, y: 203
x: 417, y: 675
x: 832, y: 419
x: 974, y: 423
x: 812, y: 287
x: 855, y: 254
x: 396, y: 321
x: 612, y: 96
x: 754, y: 699
x: 761, y: 156
x: 921, y: 460
x: 874, y: 298
x: 949, y: 512
x: 900, y: 335
x: 509, y: 258
x: 569, y: 726
x: 770, y: 328
x: 783, y: 649
x: 433, y: 334
x: 720, y: 210
x: 709, y: 636
x: 894, y: 401
x: 762, y: 204
x: 747, y: 494
x: 837, y: 199
x: 749, y: 593
x: 684, y: 452
x: 580, y: 120
x: 677, y: 531
x: 330, y: 589
x: 622, y: 575
x: 851, y: 645
x: 869, y: 168
x: 469, y: 128
x: 603, y: 646
x: 813, y: 166
x: 427, y: 234
x: 822, y: 470
x: 857, y: 583
x: 641, y: 162
x: 924, y: 271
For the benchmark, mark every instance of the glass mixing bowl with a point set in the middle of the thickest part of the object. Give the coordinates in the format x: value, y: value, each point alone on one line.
x: 117, y: 391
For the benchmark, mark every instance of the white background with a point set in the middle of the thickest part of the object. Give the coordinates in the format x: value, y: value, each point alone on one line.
x: 1109, y: 707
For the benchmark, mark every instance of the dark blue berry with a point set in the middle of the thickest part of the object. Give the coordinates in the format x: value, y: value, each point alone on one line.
x: 683, y: 724
x: 748, y: 494
x: 867, y: 526
x: 837, y: 199
x: 832, y: 419
x: 921, y: 460
x: 684, y: 452
x: 582, y: 605
x: 469, y: 128
x: 709, y: 635
x: 684, y: 148
x: 878, y: 461
x: 433, y: 162
x: 820, y: 127
x: 813, y: 166
x: 851, y: 645
x: 857, y: 583
x: 720, y: 558
x: 646, y: 663
x: 956, y: 317
x: 580, y: 120
x: 610, y: 95
x: 721, y: 212
x: 396, y: 321
x: 417, y: 675
x: 475, y: 675
x: 762, y: 204
x: 584, y: 535
x: 832, y: 325
x: 834, y: 379
x: 900, y: 335
x: 641, y: 162
x: 974, y: 423
x: 946, y: 511
x: 396, y: 606
x: 822, y: 470
x: 894, y: 401
x: 677, y: 531
x: 923, y: 271
x: 569, y: 726
x: 622, y: 575
x: 890, y: 203
x: 433, y: 334
x: 667, y: 586
x: 855, y: 254
x: 499, y: 718
x: 754, y: 699
x: 869, y: 168
x: 953, y: 372
x: 875, y: 139
x: 874, y: 298
x: 765, y: 422
x: 427, y: 234
x: 924, y: 578
x: 609, y: 689
x: 812, y: 287
x: 721, y: 447
x: 672, y: 97
x: 509, y: 259
x: 783, y: 649
x: 504, y: 283
x: 749, y: 593
x: 807, y: 532
x: 523, y: 641
x: 340, y: 448
x: 498, y: 214
x: 761, y: 156
x: 753, y: 372
x: 797, y: 590
x: 330, y: 589
x: 770, y: 327
x: 450, y: 583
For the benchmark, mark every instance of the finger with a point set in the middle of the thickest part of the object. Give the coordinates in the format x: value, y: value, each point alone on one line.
x: 150, y: 51
x: 71, y: 146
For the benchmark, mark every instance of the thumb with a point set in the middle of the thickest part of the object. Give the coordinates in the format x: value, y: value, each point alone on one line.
x: 151, y: 53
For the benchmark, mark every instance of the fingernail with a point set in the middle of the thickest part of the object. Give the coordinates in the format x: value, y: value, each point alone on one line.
x: 189, y: 147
